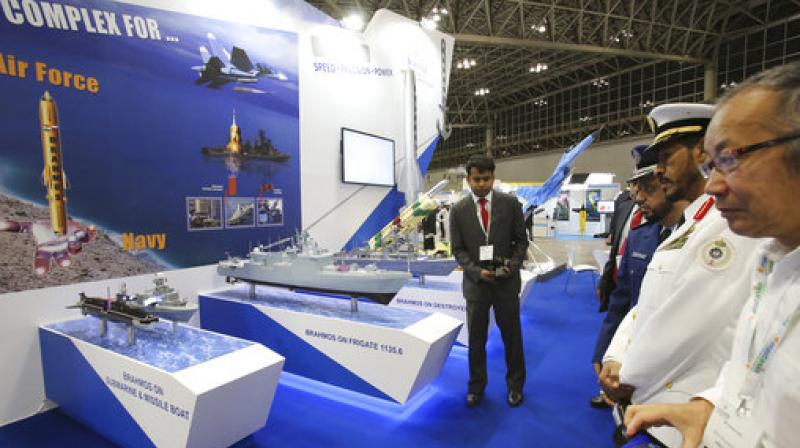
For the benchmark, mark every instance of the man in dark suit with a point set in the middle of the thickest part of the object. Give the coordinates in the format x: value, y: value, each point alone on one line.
x: 489, y: 242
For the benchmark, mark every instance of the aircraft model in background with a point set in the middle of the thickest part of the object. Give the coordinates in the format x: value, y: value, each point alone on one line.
x: 551, y: 187
x: 221, y: 67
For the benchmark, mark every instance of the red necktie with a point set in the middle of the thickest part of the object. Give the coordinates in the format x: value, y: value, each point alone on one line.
x: 484, y: 214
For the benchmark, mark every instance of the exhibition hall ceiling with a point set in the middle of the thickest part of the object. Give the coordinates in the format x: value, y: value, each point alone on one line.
x: 523, y: 50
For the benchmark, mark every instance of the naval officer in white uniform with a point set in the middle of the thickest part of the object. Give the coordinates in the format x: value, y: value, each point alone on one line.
x: 669, y: 347
x: 754, y: 147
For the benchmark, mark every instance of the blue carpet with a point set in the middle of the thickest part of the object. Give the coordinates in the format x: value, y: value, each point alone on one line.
x: 559, y: 331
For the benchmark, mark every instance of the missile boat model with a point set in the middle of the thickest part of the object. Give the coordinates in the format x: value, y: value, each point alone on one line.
x: 162, y: 301
x: 305, y: 266
x: 115, y: 311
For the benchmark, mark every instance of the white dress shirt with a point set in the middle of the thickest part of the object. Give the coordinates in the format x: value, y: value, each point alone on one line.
x: 775, y: 405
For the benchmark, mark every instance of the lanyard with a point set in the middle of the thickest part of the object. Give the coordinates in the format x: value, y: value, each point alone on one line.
x: 776, y: 328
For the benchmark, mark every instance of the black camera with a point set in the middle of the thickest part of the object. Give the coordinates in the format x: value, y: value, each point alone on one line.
x: 502, y: 267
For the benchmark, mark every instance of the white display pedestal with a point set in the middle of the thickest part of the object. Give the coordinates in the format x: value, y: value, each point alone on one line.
x: 377, y: 350
x: 443, y: 295
x: 191, y: 388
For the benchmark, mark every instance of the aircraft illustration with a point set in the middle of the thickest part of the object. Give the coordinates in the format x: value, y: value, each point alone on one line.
x: 221, y: 67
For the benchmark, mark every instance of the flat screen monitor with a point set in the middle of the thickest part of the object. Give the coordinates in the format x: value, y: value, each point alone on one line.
x: 605, y: 206
x: 367, y: 159
x: 578, y: 178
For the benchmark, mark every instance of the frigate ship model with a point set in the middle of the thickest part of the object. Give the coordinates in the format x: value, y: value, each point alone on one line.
x: 305, y: 266
x: 116, y: 311
x: 385, y: 248
x: 162, y: 301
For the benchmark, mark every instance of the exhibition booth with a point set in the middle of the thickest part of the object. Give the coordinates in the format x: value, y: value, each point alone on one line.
x: 190, y: 137
x: 204, y: 202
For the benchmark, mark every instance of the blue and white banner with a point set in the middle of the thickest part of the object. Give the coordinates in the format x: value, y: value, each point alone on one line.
x: 135, y: 139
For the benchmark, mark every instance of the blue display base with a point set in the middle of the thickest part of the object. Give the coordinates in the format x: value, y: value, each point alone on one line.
x: 559, y: 332
x: 157, y: 346
x: 241, y: 320
x: 167, y: 389
x: 384, y: 352
x: 322, y: 305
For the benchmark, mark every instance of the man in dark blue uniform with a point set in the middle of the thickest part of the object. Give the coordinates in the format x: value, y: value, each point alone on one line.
x: 662, y: 218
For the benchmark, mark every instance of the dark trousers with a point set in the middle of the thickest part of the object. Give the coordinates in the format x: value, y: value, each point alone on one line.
x: 506, y: 313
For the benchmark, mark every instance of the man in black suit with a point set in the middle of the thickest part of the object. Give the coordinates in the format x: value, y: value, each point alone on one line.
x: 489, y: 242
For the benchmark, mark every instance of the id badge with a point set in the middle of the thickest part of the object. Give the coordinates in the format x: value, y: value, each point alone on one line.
x: 487, y: 252
x: 729, y: 430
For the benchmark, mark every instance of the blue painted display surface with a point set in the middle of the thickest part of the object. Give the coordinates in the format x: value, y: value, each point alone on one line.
x: 156, y: 346
x: 432, y: 284
x: 337, y: 308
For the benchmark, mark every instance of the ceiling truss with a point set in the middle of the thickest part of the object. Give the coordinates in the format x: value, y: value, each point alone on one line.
x: 579, y: 40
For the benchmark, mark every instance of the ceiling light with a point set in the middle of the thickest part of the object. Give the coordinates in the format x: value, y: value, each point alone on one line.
x: 428, y: 23
x: 538, y: 68
x: 353, y: 22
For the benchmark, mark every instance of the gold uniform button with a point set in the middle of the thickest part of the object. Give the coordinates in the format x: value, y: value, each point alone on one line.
x: 669, y: 386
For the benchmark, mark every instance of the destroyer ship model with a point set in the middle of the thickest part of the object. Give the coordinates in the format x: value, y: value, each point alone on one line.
x: 385, y: 247
x: 416, y: 264
x: 115, y: 311
x: 162, y: 301
x: 305, y: 266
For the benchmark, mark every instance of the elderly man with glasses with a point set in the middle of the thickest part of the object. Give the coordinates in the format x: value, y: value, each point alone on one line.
x: 668, y: 347
x: 753, y: 148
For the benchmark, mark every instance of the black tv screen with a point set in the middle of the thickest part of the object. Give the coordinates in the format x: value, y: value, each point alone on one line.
x: 367, y: 159
x: 578, y: 178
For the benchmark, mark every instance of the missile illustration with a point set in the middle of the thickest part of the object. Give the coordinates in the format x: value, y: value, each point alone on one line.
x: 53, y: 176
x: 408, y: 219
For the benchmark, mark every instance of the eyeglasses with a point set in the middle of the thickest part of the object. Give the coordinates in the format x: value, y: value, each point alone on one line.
x: 728, y: 159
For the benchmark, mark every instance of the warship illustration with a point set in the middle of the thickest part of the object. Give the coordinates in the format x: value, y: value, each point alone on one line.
x: 162, y: 301
x: 115, y: 311
x: 391, y: 249
x: 260, y: 149
x: 305, y: 266
x: 242, y: 214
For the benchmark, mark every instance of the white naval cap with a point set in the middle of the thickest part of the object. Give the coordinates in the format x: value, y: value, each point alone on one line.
x: 670, y: 121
